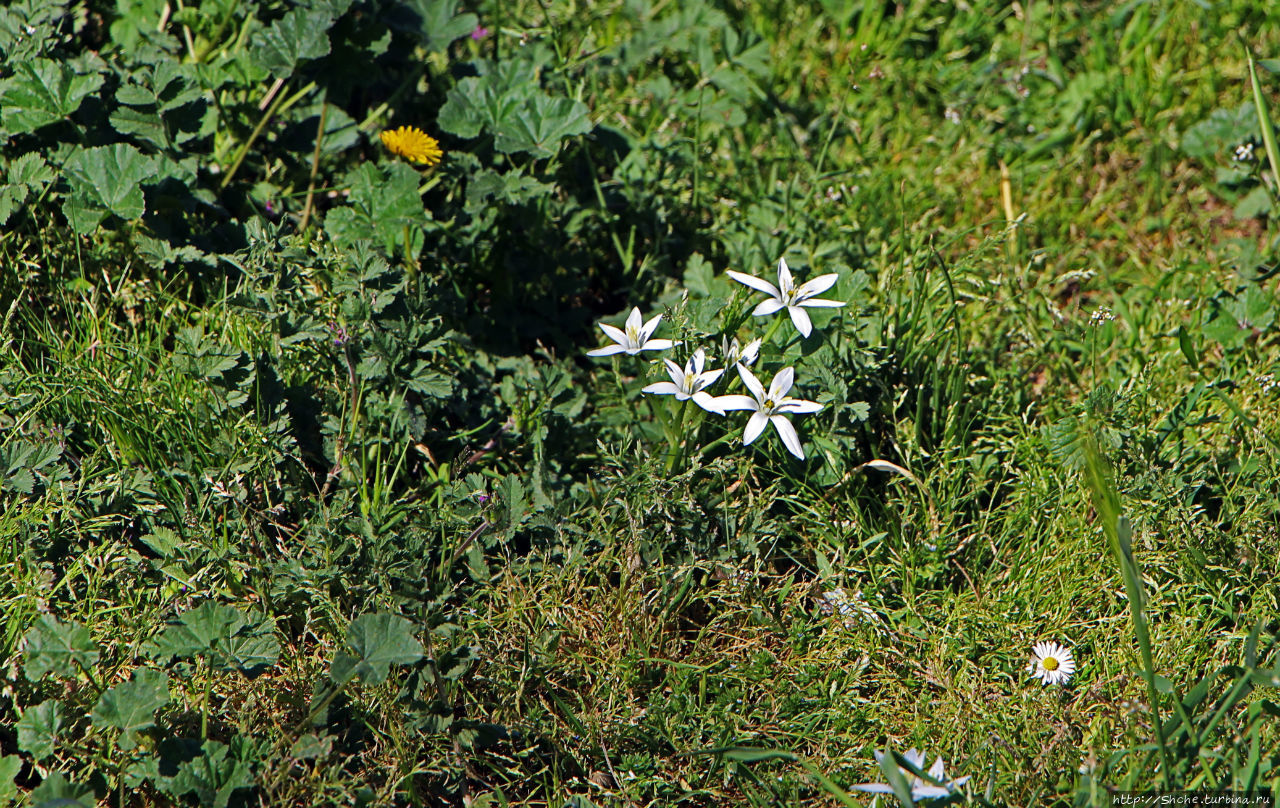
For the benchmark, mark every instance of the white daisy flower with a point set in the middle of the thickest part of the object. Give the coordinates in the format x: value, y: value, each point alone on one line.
x: 786, y: 295
x: 634, y: 338
x: 1053, y: 663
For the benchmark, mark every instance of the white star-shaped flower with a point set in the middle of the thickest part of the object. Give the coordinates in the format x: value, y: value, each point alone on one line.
x: 735, y: 354
x: 920, y: 790
x: 770, y: 405
x: 786, y: 295
x: 689, y: 382
x: 633, y: 338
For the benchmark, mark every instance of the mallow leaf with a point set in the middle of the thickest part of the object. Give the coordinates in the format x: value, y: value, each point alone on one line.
x: 38, y: 729
x: 110, y: 177
x: 58, y: 648
x: 299, y: 35
x: 42, y: 91
x: 131, y: 706
x: 376, y: 642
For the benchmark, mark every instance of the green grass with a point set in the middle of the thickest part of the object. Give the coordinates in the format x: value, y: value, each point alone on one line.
x: 597, y: 627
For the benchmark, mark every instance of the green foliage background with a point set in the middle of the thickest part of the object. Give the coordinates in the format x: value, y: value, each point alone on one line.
x: 310, y: 495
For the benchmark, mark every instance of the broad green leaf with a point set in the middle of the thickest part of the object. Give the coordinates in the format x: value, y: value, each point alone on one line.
x: 311, y: 747
x: 299, y: 35
x: 58, y: 648
x: 10, y: 766
x: 383, y: 203
x: 41, y: 92
x: 58, y: 792
x: 436, y: 22
x: 483, y: 102
x: 38, y: 729
x: 83, y: 213
x: 538, y: 126
x: 131, y: 706
x: 377, y: 641
x: 213, y: 776
x: 506, y: 102
x: 110, y: 176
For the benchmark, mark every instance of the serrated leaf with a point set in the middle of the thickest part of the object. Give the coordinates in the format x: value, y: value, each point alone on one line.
x: 383, y: 202
x: 377, y: 642
x: 538, y: 126
x: 213, y: 776
x: 58, y: 648
x: 111, y: 176
x: 30, y: 170
x: 38, y: 729
x: 431, y: 384
x: 483, y: 102
x: 437, y: 23
x: 299, y: 35
x: 41, y: 92
x: 58, y: 792
x: 131, y: 706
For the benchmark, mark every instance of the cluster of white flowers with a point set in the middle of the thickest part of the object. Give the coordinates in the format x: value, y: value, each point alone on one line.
x: 1244, y: 152
x: 692, y: 382
x: 1100, y: 316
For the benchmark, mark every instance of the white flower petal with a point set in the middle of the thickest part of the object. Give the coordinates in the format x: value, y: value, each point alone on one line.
x: 873, y: 788
x: 785, y: 280
x: 816, y: 286
x: 798, y: 406
x: 607, y: 350
x: 707, y: 379
x: 656, y: 345
x: 674, y: 371
x: 614, y: 333
x: 735, y: 402
x: 766, y: 307
x: 755, y: 425
x: 662, y: 389
x: 819, y: 303
x: 751, y: 352
x: 754, y: 387
x: 781, y: 384
x: 697, y: 361
x: 633, y: 320
x: 706, y: 402
x: 801, y: 318
x: 649, y: 328
x: 758, y: 284
x: 788, y: 434
x: 923, y: 792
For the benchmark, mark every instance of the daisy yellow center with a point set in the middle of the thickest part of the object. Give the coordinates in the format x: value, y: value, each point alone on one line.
x: 768, y: 404
x: 1049, y: 663
x: 633, y: 333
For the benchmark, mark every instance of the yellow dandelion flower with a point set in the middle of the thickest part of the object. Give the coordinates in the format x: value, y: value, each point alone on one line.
x: 413, y: 144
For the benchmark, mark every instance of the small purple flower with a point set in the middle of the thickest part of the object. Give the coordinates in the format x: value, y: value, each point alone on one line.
x: 479, y: 33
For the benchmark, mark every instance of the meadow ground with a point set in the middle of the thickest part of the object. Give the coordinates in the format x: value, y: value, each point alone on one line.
x: 311, y: 495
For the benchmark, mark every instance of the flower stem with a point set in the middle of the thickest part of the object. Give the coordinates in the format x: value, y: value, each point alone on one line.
x: 675, y: 451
